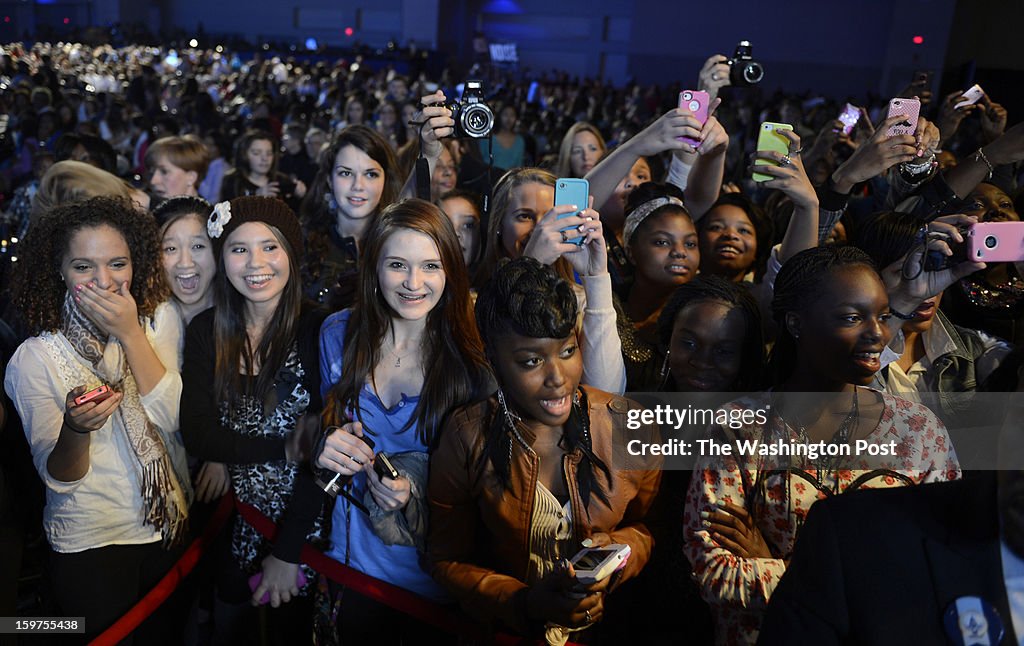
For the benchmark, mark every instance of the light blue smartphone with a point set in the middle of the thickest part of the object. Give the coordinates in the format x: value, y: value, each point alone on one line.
x: 570, y: 190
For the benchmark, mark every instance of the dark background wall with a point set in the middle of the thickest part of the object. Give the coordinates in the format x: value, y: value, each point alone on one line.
x: 834, y: 47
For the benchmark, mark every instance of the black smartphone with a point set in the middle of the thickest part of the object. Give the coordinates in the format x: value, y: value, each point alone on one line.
x: 382, y: 465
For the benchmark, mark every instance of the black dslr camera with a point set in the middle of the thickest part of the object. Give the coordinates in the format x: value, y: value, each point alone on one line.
x: 743, y: 69
x: 473, y: 117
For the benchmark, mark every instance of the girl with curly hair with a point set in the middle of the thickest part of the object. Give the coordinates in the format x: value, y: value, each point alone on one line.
x: 92, y: 293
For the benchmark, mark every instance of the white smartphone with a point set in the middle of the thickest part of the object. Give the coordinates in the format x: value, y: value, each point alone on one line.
x: 971, y: 97
x: 593, y: 564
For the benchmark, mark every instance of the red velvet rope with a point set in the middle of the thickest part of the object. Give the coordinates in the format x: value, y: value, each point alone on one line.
x: 162, y: 590
x: 400, y: 599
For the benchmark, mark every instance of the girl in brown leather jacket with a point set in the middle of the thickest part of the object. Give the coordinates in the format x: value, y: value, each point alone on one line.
x: 523, y: 481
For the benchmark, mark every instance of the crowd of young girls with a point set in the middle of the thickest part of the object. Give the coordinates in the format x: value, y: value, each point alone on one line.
x: 432, y: 392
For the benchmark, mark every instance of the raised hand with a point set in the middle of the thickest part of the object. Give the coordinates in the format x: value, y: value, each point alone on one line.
x: 548, y: 241
x: 437, y: 123
x: 875, y: 156
x: 789, y: 176
x: 950, y: 116
x: 993, y: 119
x: 591, y: 257
x: 714, y: 75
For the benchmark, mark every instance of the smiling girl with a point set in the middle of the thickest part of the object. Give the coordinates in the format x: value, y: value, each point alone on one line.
x: 117, y: 487
x: 358, y: 177
x: 743, y: 513
x: 399, y: 361
x: 255, y: 171
x: 735, y: 239
x: 522, y: 481
x: 250, y: 383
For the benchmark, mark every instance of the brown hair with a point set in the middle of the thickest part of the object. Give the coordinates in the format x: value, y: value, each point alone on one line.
x: 229, y: 322
x: 242, y: 151
x: 187, y: 153
x: 317, y: 219
x: 38, y: 288
x: 456, y: 370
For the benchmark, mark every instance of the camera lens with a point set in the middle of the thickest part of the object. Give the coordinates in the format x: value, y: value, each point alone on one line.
x: 991, y: 242
x: 477, y: 120
x: 753, y: 72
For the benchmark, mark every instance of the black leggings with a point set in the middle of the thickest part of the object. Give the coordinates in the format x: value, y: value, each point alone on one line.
x: 102, y: 584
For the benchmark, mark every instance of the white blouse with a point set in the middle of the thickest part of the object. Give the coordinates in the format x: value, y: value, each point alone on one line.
x: 104, y: 507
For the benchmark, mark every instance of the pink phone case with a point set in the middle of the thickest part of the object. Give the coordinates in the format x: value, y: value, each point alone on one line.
x: 996, y: 242
x: 254, y: 582
x: 696, y: 102
x: 911, y: 109
x: 849, y: 116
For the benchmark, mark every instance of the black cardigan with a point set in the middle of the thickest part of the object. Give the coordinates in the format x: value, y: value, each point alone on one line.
x: 208, y: 440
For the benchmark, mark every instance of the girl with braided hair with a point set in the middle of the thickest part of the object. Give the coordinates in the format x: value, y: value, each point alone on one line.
x: 522, y: 481
x: 743, y: 511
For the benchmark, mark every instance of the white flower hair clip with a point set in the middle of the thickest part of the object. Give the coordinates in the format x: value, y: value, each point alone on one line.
x: 218, y: 219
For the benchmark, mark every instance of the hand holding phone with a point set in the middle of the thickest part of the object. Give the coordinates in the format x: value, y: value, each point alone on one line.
x: 256, y: 579
x: 594, y: 564
x: 572, y: 191
x: 346, y: 449
x: 96, y: 395
x: 971, y: 96
x: 383, y: 467
x: 87, y: 412
x: 849, y: 116
x: 769, y: 138
x: 908, y: 108
x: 696, y: 102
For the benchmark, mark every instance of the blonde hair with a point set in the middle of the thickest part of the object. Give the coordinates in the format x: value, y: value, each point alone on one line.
x: 71, y: 181
x: 564, y: 166
x: 494, y: 253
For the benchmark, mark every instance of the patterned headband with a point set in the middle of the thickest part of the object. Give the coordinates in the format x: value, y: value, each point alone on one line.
x: 642, y: 212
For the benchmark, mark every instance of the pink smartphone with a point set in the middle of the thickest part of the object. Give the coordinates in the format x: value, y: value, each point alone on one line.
x: 97, y: 395
x: 696, y: 101
x: 909, y: 108
x: 254, y: 582
x: 849, y: 116
x: 996, y: 242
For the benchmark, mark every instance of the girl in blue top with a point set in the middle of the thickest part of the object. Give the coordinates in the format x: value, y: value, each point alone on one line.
x: 399, y: 361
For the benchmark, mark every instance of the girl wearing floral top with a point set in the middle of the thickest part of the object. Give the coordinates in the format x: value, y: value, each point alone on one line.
x: 743, y: 512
